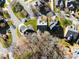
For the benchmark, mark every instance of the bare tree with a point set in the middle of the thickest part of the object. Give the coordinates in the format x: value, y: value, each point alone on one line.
x: 41, y: 45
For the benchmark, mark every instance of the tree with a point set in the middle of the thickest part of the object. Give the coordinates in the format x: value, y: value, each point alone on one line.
x: 39, y: 45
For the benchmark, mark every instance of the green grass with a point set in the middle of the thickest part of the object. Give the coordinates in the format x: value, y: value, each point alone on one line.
x: 8, y: 0
x: 19, y: 15
x: 17, y: 32
x: 26, y: 55
x: 10, y: 23
x: 7, y: 43
x: 5, y: 5
x: 63, y: 42
x: 32, y: 22
x: 64, y: 22
x: 6, y: 15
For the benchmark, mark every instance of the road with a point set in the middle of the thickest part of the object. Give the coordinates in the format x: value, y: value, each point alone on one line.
x: 13, y: 31
x: 13, y: 17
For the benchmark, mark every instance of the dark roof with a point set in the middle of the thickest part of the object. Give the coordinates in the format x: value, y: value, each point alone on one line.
x: 75, y: 34
x: 42, y: 28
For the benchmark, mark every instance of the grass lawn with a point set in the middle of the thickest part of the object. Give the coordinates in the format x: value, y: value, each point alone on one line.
x: 19, y: 15
x: 17, y: 32
x: 6, y: 15
x: 32, y: 22
x: 8, y: 42
x: 5, y: 5
x: 10, y: 23
x: 63, y: 42
x: 26, y: 55
x: 64, y: 22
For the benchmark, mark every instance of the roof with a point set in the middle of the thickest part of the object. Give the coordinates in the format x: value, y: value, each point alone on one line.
x: 42, y: 28
x: 75, y: 34
x: 23, y: 28
x: 71, y: 31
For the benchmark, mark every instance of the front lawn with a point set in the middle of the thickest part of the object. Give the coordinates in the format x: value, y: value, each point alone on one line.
x: 63, y: 42
x: 10, y: 23
x: 18, y: 33
x: 26, y: 55
x: 64, y: 22
x: 32, y: 22
x: 5, y: 5
x: 19, y: 15
x: 7, y: 43
x: 6, y: 15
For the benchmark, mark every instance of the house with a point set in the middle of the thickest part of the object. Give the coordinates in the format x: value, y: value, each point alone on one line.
x: 56, y: 29
x: 71, y: 33
x: 42, y: 24
x: 71, y: 5
x: 25, y: 29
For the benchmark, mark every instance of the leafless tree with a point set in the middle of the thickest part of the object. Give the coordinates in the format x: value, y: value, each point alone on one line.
x: 41, y: 45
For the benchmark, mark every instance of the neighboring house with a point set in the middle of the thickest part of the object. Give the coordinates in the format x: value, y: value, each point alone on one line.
x: 42, y: 24
x: 71, y: 5
x: 56, y: 29
x: 71, y: 33
x: 25, y: 29
x: 42, y: 7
